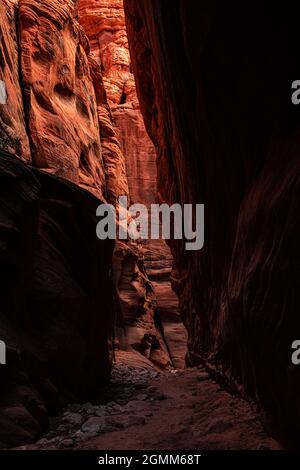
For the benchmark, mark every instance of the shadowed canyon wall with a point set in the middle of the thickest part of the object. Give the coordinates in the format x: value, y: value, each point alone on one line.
x: 214, y: 85
x: 57, y: 303
x: 56, y: 308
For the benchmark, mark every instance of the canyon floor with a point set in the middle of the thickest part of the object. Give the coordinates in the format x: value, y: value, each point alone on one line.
x: 146, y: 408
x: 150, y: 408
x: 143, y: 409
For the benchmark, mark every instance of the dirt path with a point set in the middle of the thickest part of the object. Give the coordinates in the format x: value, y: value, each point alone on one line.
x: 177, y: 410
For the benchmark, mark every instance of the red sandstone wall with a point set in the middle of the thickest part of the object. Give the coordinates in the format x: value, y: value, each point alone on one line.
x: 59, y: 94
x: 57, y: 308
x: 13, y: 137
x: 104, y: 24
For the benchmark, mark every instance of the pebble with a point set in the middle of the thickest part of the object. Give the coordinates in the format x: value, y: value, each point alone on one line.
x: 75, y: 419
x: 117, y: 409
x: 202, y: 376
x: 142, y: 397
x: 94, y: 424
x: 62, y: 428
x: 67, y: 442
x: 87, y: 406
x: 81, y: 422
x: 42, y: 442
x: 100, y: 410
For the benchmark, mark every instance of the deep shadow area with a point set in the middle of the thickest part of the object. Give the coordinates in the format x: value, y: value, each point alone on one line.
x: 214, y: 82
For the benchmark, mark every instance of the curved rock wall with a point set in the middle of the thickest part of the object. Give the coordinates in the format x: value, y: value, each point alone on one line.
x: 214, y: 86
x: 57, y: 309
x: 59, y: 93
x: 104, y: 23
x: 13, y: 136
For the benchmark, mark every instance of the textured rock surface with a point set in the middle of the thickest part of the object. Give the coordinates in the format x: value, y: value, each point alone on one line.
x: 139, y: 153
x: 168, y: 411
x: 158, y: 265
x: 104, y: 24
x: 135, y: 296
x: 57, y: 307
x: 116, y: 183
x: 214, y: 98
x: 59, y: 93
x: 13, y: 137
x: 56, y: 303
x: 219, y: 114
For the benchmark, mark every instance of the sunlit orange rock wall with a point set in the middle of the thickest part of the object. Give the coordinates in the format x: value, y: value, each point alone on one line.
x: 104, y: 24
x: 13, y: 137
x: 59, y: 93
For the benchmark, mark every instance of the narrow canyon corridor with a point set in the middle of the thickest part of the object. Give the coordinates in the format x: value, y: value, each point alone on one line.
x: 115, y: 343
x: 149, y: 319
x: 153, y: 401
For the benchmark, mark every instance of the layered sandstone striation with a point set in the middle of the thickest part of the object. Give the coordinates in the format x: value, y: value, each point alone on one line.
x: 59, y: 93
x: 72, y: 112
x: 56, y: 311
x: 104, y: 24
x: 13, y: 137
x: 220, y: 117
x: 116, y: 183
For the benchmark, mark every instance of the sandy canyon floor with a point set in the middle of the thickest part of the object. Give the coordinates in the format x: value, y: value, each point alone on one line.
x: 143, y: 409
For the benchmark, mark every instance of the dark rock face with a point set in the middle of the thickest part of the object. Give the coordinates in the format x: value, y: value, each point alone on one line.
x: 214, y: 84
x: 56, y: 302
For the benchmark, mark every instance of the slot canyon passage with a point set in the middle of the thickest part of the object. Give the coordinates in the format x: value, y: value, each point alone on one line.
x: 141, y: 345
